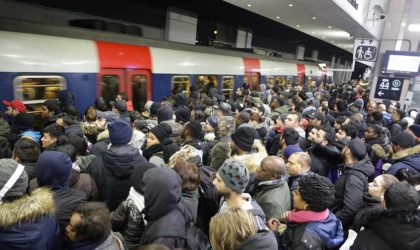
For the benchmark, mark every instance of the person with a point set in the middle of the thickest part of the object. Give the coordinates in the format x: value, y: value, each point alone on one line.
x: 405, y: 153
x: 24, y: 226
x: 165, y: 212
x: 165, y: 115
x: 5, y: 142
x: 353, y: 183
x: 119, y: 107
x: 154, y: 144
x: 112, y: 170
x: 127, y: 218
x: 90, y: 228
x: 14, y: 108
x: 234, y: 228
x: 51, y: 110
x: 398, y: 227
x: 298, y: 165
x: 23, y: 125
x: 310, y: 225
x: 51, y: 135
x: 293, y: 121
x: 372, y: 202
x: 271, y: 191
x: 27, y: 152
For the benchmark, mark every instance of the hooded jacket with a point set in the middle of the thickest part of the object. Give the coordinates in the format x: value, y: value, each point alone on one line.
x: 391, y: 230
x: 112, y: 171
x: 350, y: 189
x: 324, y: 158
x: 262, y: 240
x: 5, y: 149
x: 29, y: 222
x: 273, y: 196
x: 165, y: 212
x: 54, y: 169
x: 407, y: 158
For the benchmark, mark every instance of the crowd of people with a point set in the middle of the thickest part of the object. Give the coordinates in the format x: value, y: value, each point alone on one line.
x: 285, y: 167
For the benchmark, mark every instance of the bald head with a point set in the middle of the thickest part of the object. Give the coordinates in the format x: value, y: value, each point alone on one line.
x: 272, y: 167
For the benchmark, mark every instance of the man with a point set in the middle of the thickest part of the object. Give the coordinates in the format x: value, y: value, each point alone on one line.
x: 293, y: 121
x: 353, y: 183
x: 347, y: 132
x: 51, y: 135
x: 112, y: 170
x: 316, y: 119
x: 51, y: 110
x: 192, y: 134
x: 119, y: 107
x: 271, y: 191
x: 289, y: 137
x: 396, y: 227
x: 298, y: 165
x: 165, y: 115
x: 27, y: 152
x: 231, y: 180
x: 405, y: 153
x: 14, y: 107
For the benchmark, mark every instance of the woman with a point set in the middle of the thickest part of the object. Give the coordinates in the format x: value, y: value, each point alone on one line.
x: 154, y: 148
x: 310, y: 224
x: 376, y: 146
x: 372, y: 201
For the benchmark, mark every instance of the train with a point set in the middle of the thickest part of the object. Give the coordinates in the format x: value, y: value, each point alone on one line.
x: 35, y: 67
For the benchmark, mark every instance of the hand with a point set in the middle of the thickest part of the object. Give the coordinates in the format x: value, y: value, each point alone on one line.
x: 273, y: 224
x: 284, y: 216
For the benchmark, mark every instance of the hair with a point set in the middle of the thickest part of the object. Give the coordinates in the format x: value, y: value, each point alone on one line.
x: 66, y: 148
x: 189, y: 174
x: 134, y: 115
x: 342, y: 105
x: 387, y: 180
x: 199, y: 116
x: 401, y: 196
x: 351, y: 129
x: 71, y: 110
x: 404, y: 174
x: 194, y: 129
x: 244, y: 117
x: 154, y: 247
x: 54, y: 130
x: 317, y: 191
x: 90, y: 114
x: 79, y: 144
x: 329, y: 134
x: 376, y: 129
x: 69, y: 120
x: 401, y: 113
x: 303, y: 159
x: 340, y: 119
x: 231, y: 227
x: 124, y: 96
x: 290, y: 136
x: 154, y: 108
x: 26, y: 150
x: 53, y: 105
x: 95, y: 221
x: 324, y: 109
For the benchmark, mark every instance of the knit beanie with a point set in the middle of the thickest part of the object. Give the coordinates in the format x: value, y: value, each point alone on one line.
x: 162, y: 131
x: 415, y: 128
x: 317, y: 191
x: 169, y: 149
x: 403, y: 139
x: 120, y: 132
x: 165, y: 113
x: 137, y: 175
x: 291, y: 149
x: 244, y: 137
x: 7, y: 168
x: 182, y: 114
x: 234, y: 174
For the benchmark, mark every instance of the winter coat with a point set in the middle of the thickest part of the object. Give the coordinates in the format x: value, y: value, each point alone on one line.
x: 66, y: 200
x: 29, y: 222
x: 100, y: 147
x: 191, y: 199
x: 323, y: 234
x: 273, y: 196
x: 390, y: 230
x: 84, y: 182
x: 5, y: 146
x: 349, y: 191
x: 176, y: 130
x: 112, y: 242
x: 324, y: 159
x: 112, y: 172
x: 407, y: 158
x: 262, y: 240
x: 371, y: 206
x: 30, y: 169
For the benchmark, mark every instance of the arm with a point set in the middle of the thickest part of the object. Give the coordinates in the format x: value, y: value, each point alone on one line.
x: 119, y: 216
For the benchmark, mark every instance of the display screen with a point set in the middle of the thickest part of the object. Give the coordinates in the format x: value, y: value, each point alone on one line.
x: 401, y: 63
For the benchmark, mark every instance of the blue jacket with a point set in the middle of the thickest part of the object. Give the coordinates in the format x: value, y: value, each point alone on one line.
x: 407, y: 158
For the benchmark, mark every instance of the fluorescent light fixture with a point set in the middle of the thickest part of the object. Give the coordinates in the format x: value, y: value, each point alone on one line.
x: 313, y: 32
x: 290, y: 5
x: 323, y: 37
x: 314, y: 18
x: 298, y: 25
x: 277, y: 17
x: 329, y: 27
x: 414, y: 27
x: 249, y: 5
x: 332, y: 41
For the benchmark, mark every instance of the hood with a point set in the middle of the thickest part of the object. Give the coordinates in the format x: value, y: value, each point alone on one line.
x: 34, y: 135
x: 253, y: 161
x: 4, y: 128
x: 365, y: 166
x: 329, y: 231
x: 27, y: 208
x: 162, y: 192
x: 54, y: 169
x: 262, y: 240
x: 121, y: 160
x: 406, y: 152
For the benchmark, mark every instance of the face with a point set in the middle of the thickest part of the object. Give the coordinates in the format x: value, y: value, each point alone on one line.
x: 298, y: 202
x: 45, y: 112
x: 221, y: 187
x: 118, y: 98
x: 376, y: 188
x: 263, y: 173
x: 293, y: 167
x: 70, y: 231
x: 101, y: 123
x: 59, y: 122
x: 371, y: 107
x: 47, y: 140
x: 395, y: 116
x: 340, y: 135
x: 319, y: 137
x: 370, y: 134
x: 291, y: 121
x: 11, y: 111
x: 152, y: 140
x: 207, y: 127
x: 312, y: 134
x: 314, y: 122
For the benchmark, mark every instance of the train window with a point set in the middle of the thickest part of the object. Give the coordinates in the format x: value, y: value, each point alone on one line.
x: 182, y: 82
x: 34, y: 90
x: 270, y: 81
x: 110, y: 85
x: 227, y: 86
x: 139, y: 87
x: 205, y: 82
x: 280, y: 80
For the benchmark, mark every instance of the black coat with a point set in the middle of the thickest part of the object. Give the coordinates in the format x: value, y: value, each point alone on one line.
x: 324, y: 158
x: 371, y: 206
x: 349, y: 191
x: 66, y: 200
x: 390, y: 230
x: 112, y: 173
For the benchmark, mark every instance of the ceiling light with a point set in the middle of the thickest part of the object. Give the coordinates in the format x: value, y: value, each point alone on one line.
x: 329, y: 27
x: 339, y: 44
x: 215, y: 32
x: 313, y: 18
x: 290, y: 5
x: 277, y: 17
x: 323, y: 37
x: 298, y: 25
x: 249, y: 5
x: 313, y: 32
x: 332, y: 41
x: 414, y: 27
x: 348, y: 38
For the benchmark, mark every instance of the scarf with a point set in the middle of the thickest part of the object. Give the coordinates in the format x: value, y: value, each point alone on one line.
x: 137, y: 198
x: 149, y: 152
x: 307, y: 216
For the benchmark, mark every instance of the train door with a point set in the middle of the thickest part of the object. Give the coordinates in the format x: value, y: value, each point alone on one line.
x: 135, y: 83
x: 252, y: 79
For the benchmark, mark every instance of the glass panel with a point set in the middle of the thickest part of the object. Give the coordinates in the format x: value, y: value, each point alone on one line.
x: 139, y: 90
x: 245, y: 79
x: 280, y: 80
x: 255, y: 81
x: 270, y: 81
x: 205, y: 82
x: 110, y: 85
x: 227, y: 86
x: 182, y: 82
x: 34, y: 90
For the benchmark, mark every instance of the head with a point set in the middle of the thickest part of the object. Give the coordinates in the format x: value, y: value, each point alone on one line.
x: 51, y: 135
x: 324, y: 136
x: 371, y: 107
x: 100, y: 104
x: 397, y: 115
x: 242, y: 118
x: 354, y: 151
x: 401, y: 141
x: 242, y: 139
x: 231, y: 227
x: 372, y: 132
x: 314, y: 193
x: 189, y: 174
x: 120, y: 132
x: 90, y: 114
x: 298, y: 163
x: 137, y: 176
x: 292, y: 120
x: 14, y: 107
x: 271, y: 168
x: 90, y: 221
x: 158, y: 134
x: 26, y: 151
x: 380, y: 184
x: 8, y: 169
x: 192, y: 131
x: 401, y: 196
x: 347, y: 132
x: 54, y: 169
x: 165, y: 113
x: 118, y: 106
x: 51, y: 108
x: 316, y: 119
x: 232, y: 177
x: 122, y: 96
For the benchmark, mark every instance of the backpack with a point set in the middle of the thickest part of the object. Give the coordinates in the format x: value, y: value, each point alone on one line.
x: 195, y: 239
